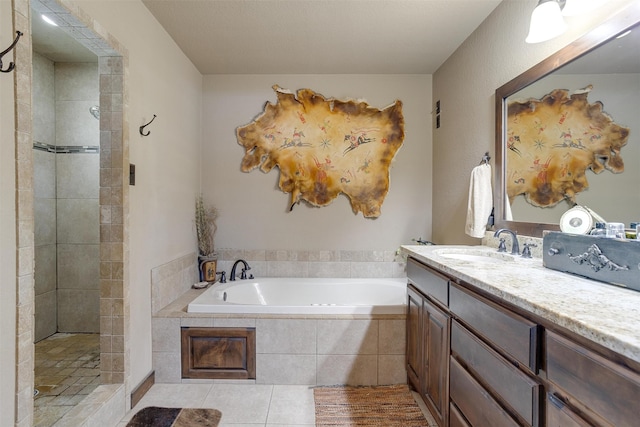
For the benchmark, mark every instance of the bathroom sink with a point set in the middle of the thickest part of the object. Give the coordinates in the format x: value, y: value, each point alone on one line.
x: 484, y: 256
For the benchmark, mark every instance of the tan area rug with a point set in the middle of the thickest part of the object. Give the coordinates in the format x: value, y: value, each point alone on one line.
x: 383, y: 406
x: 154, y: 416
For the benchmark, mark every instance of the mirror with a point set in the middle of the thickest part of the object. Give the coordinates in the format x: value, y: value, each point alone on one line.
x: 610, y: 68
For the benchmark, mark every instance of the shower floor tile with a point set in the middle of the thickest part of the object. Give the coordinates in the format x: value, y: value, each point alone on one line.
x: 67, y: 369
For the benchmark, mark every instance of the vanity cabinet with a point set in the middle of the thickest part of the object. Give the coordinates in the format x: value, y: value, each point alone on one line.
x: 428, y: 324
x: 479, y: 361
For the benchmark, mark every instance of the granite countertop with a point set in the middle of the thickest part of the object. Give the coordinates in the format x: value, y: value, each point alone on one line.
x: 606, y: 314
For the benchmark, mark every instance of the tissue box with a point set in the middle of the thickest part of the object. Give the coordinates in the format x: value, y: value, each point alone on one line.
x: 613, y: 261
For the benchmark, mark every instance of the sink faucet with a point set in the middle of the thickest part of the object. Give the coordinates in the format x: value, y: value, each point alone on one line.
x: 515, y: 247
x: 243, y: 274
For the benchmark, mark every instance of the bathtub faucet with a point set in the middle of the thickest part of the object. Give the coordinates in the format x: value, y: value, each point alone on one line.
x: 243, y: 273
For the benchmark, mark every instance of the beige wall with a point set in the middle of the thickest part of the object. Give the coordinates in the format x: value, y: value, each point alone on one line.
x: 161, y: 81
x: 7, y: 227
x: 253, y: 211
x: 465, y: 85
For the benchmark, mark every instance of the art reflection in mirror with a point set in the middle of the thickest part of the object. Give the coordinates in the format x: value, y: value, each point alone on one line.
x: 571, y: 135
x: 554, y: 141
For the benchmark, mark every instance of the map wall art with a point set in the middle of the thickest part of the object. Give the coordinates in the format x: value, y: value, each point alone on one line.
x: 324, y: 147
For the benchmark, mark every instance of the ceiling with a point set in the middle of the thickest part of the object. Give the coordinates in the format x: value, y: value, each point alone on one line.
x: 301, y: 36
x: 319, y: 36
x: 322, y: 36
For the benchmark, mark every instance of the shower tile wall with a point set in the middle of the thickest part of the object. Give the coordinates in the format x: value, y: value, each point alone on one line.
x: 67, y: 194
x: 44, y: 168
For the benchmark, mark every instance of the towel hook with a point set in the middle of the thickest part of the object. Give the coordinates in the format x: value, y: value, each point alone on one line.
x: 4, y: 52
x: 485, y: 159
x: 144, y: 126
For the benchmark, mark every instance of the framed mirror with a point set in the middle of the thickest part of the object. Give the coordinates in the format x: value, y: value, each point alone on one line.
x: 602, y: 69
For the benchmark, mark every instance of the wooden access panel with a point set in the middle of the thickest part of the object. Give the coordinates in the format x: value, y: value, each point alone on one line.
x: 219, y: 353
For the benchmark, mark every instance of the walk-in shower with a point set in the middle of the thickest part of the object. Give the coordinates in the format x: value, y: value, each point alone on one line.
x: 66, y: 169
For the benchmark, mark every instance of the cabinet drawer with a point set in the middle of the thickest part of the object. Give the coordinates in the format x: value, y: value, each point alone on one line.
x: 513, y: 334
x: 428, y: 281
x: 455, y: 417
x: 559, y: 415
x: 517, y: 390
x: 477, y: 406
x: 609, y: 390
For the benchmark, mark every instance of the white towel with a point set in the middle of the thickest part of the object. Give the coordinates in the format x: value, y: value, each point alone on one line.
x: 507, y: 207
x: 480, y: 201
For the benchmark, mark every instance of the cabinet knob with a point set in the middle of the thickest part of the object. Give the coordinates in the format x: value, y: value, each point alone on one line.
x: 553, y: 251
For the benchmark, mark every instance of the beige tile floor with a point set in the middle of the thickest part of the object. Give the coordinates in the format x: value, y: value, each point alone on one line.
x: 242, y: 405
x: 67, y: 369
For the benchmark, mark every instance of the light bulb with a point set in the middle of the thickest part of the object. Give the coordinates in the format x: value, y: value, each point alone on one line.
x: 546, y: 22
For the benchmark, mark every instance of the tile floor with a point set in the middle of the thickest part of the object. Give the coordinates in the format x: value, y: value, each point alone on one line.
x: 242, y: 405
x: 67, y: 369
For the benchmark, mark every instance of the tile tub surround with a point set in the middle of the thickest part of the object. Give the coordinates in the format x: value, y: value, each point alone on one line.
x: 368, y: 350
x: 303, y: 350
x: 315, y: 263
x: 170, y: 280
x: 605, y: 314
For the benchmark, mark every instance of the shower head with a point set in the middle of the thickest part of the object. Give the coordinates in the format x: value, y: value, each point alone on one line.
x: 95, y: 111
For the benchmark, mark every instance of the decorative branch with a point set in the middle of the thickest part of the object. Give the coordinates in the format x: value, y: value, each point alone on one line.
x: 205, y: 227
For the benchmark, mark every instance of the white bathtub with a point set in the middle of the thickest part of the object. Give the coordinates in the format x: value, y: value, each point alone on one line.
x: 304, y: 296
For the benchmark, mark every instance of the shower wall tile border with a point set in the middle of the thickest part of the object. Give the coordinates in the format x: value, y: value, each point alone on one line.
x: 25, y: 297
x: 113, y: 199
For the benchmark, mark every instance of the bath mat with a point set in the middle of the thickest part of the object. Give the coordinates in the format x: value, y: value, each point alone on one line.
x: 380, y: 406
x: 154, y: 416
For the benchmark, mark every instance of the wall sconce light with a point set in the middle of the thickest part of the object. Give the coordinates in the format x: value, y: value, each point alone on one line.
x: 547, y: 19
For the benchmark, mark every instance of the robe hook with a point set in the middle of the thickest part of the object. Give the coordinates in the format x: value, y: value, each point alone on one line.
x: 4, y: 52
x: 144, y: 126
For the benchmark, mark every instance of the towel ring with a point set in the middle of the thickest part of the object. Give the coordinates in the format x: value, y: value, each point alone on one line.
x: 485, y: 159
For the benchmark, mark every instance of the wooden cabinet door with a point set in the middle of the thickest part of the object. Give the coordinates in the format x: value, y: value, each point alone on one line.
x: 435, y: 368
x: 414, y: 345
